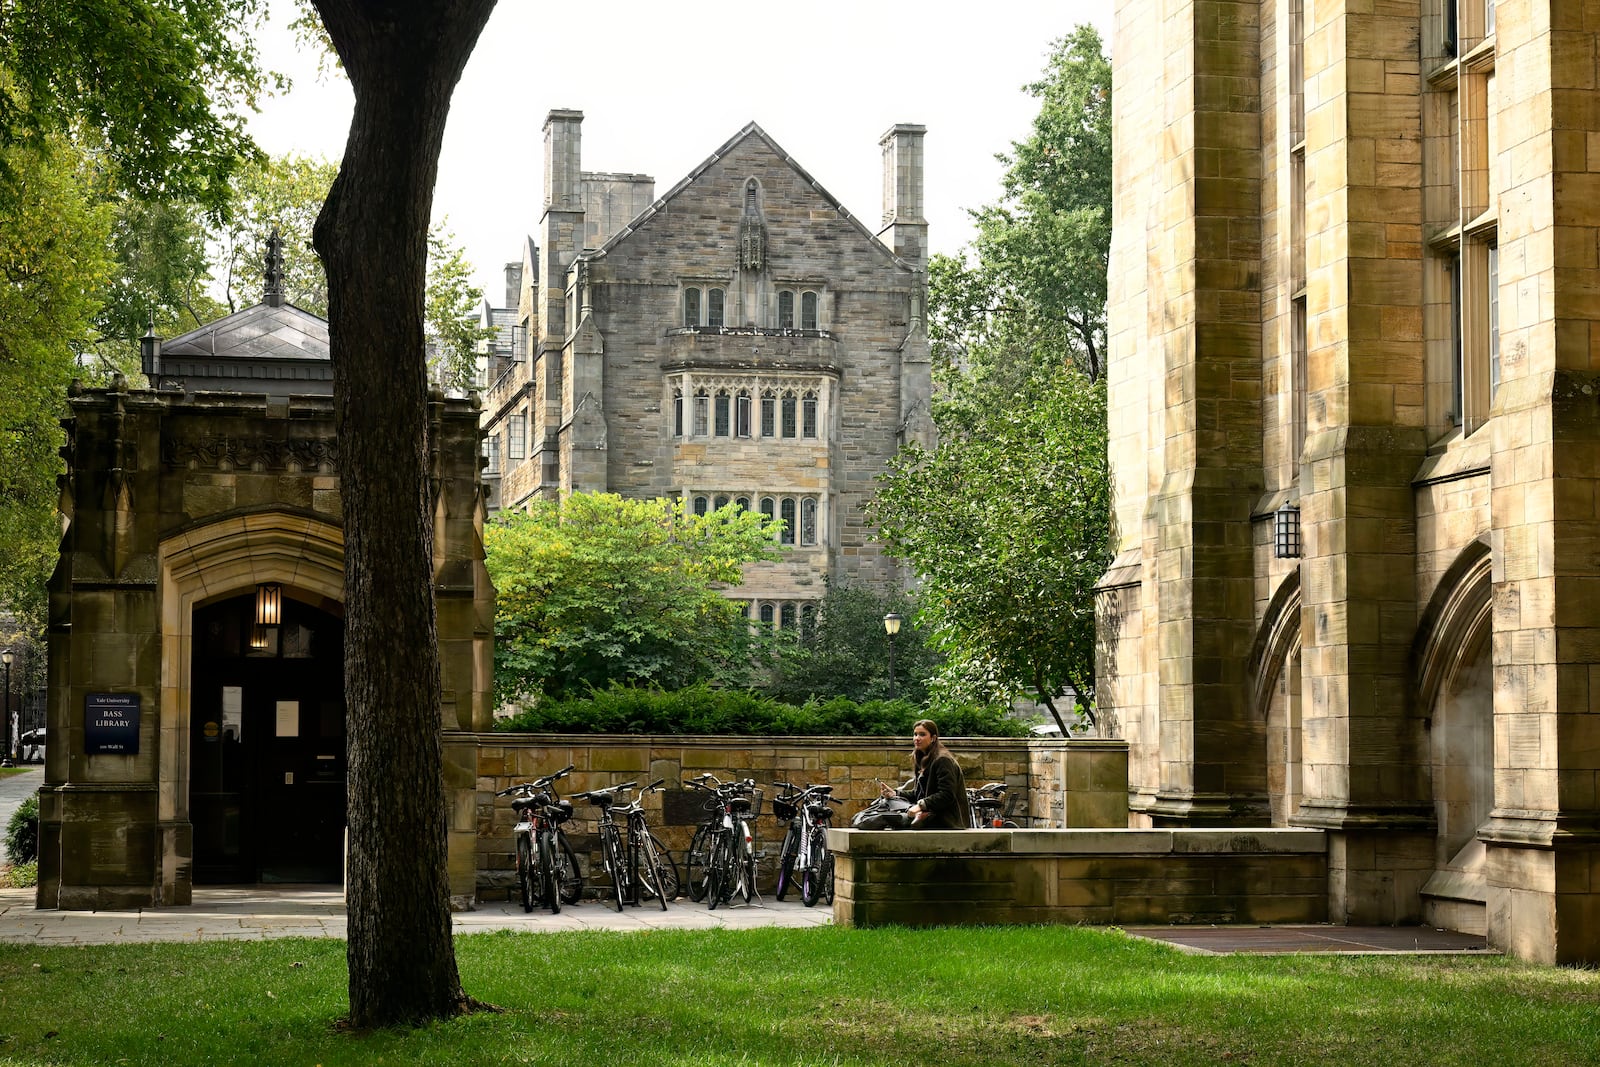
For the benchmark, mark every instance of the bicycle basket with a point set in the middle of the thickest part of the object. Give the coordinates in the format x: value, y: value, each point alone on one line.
x: 783, y: 810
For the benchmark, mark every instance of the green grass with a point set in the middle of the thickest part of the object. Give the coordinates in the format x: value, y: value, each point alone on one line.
x: 819, y: 996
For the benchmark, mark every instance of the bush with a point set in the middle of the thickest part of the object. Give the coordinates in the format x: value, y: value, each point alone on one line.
x: 700, y: 709
x: 20, y: 875
x: 22, y: 832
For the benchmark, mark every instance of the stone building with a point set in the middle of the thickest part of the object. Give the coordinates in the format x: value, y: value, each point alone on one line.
x: 196, y: 711
x: 743, y: 338
x: 1353, y: 382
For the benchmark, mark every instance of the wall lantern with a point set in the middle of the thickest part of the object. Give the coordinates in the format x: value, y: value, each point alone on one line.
x: 258, y: 637
x: 1286, y: 532
x: 269, y: 605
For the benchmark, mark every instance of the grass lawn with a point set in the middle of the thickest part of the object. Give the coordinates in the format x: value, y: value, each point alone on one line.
x: 946, y: 997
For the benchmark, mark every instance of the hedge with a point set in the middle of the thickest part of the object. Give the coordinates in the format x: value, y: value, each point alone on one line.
x: 701, y: 709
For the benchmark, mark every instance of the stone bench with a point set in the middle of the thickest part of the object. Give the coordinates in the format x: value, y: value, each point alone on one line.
x: 1093, y: 876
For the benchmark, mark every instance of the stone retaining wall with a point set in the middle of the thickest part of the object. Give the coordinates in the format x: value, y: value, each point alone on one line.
x: 1081, y: 782
x: 1079, y: 876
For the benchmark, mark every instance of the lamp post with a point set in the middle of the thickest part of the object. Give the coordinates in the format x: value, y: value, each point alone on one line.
x: 891, y: 626
x: 5, y: 755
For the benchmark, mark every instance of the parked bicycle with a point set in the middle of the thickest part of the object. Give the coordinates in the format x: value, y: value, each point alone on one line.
x: 654, y: 870
x: 547, y: 868
x: 987, y: 803
x: 808, y: 814
x: 722, y: 855
x: 613, y: 857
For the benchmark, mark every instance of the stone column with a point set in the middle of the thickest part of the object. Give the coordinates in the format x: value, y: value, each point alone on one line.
x: 1210, y: 434
x: 1543, y: 839
x: 1363, y: 776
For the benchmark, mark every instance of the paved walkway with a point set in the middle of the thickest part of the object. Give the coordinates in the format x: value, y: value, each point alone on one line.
x: 251, y: 913
x: 1316, y: 940
x: 14, y: 789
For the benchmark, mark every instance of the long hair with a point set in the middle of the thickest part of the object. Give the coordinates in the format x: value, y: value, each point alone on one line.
x: 935, y: 747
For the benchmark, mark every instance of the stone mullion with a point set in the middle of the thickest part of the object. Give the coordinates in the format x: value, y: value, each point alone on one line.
x: 1213, y: 423
x: 1365, y: 438
x: 1543, y: 840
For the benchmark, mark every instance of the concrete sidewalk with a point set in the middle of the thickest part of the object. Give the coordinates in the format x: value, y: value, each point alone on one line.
x: 250, y: 913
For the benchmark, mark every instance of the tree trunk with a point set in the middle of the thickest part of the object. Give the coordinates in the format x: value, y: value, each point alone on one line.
x: 403, y: 58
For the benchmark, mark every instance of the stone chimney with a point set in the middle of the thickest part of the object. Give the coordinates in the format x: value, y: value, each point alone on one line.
x: 563, y: 216
x: 904, y: 228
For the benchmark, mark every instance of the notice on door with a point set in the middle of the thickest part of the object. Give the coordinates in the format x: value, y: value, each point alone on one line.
x: 111, y: 724
x: 288, y: 718
x: 233, y: 712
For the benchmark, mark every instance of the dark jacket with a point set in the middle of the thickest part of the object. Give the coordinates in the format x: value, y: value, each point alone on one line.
x: 942, y: 789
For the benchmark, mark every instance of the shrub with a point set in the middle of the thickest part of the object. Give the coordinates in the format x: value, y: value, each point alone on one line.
x: 700, y: 709
x: 22, y: 832
x: 20, y: 875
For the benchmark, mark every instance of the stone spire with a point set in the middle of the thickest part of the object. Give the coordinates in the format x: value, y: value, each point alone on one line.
x: 272, y: 295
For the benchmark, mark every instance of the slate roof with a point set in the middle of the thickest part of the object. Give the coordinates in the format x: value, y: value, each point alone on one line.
x: 277, y: 350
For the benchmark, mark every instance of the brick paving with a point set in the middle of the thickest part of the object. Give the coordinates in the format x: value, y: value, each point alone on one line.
x: 1316, y: 940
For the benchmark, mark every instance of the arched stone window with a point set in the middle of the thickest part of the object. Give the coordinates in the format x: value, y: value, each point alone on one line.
x: 691, y: 306
x: 808, y: 521
x: 808, y: 415
x: 808, y: 311
x: 786, y: 310
x: 786, y: 513
x: 714, y: 303
x: 724, y: 414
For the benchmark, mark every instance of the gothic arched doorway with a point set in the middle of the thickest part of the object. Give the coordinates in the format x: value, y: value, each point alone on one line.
x: 267, y: 744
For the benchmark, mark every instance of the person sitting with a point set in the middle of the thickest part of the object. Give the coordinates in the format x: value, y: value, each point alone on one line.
x: 938, y: 790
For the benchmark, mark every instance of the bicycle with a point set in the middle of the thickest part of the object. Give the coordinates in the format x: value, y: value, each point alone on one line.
x: 653, y: 869
x: 612, y: 856
x: 985, y: 803
x: 807, y: 816
x: 816, y: 817
x: 722, y: 856
x: 547, y: 868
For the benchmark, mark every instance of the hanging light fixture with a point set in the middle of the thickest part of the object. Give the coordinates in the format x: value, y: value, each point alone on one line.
x: 1286, y: 531
x: 269, y: 607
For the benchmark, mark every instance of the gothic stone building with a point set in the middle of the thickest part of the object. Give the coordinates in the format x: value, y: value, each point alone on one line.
x: 1353, y: 289
x: 744, y: 338
x: 196, y: 709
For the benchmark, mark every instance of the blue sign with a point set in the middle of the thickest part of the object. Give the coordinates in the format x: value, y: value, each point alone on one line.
x: 111, y: 724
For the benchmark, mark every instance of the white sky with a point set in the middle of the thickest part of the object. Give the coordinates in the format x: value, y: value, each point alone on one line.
x: 662, y: 86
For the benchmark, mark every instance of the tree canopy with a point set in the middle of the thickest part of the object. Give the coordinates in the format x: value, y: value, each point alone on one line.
x: 600, y: 589
x: 1007, y: 520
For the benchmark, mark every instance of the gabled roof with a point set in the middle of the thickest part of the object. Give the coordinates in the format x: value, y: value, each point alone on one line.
x: 258, y: 332
x: 750, y: 130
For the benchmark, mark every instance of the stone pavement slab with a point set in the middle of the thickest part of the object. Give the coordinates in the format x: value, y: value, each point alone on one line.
x: 1315, y: 940
x: 236, y: 913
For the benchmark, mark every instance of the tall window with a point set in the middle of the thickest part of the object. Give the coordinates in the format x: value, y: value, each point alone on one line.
x: 769, y: 414
x: 702, y: 414
x: 789, y: 424
x: 491, y: 452
x: 766, y: 614
x: 1494, y: 300
x: 786, y: 310
x: 714, y: 301
x: 724, y: 413
x: 677, y: 413
x: 808, y: 415
x: 691, y: 306
x: 786, y: 619
x: 808, y: 311
x: 808, y: 521
x: 1453, y: 271
x: 741, y: 414
x: 517, y: 438
x: 769, y: 507
x: 701, y: 505
x: 786, y: 513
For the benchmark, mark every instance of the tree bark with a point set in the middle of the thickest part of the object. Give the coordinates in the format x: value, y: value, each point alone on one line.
x: 403, y: 58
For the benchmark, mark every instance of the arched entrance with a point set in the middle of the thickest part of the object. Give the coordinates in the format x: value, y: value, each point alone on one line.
x: 235, y: 809
x: 1456, y: 690
x: 1275, y: 666
x: 267, y: 744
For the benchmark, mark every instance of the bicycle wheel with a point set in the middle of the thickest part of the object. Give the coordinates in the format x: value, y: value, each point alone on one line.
x: 698, y: 861
x: 569, y: 876
x: 816, y: 858
x: 827, y: 880
x: 650, y: 872
x: 719, y: 871
x: 786, y: 857
x: 525, y: 872
x: 547, y: 873
x: 745, y: 881
x: 616, y: 863
x: 666, y: 869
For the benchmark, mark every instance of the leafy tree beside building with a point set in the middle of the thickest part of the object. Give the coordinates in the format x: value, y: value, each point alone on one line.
x: 1007, y: 521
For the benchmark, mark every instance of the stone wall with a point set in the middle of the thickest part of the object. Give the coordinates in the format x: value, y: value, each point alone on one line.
x: 1079, y: 876
x: 1084, y: 781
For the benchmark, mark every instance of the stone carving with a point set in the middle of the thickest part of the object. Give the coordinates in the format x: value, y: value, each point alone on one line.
x: 217, y: 452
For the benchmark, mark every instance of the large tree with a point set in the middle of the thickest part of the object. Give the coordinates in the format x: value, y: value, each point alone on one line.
x: 1007, y: 521
x: 403, y: 58
x: 600, y: 589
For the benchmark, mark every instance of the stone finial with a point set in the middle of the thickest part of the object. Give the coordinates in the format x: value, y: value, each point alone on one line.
x: 272, y: 295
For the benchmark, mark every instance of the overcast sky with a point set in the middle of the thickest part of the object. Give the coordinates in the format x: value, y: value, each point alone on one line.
x: 662, y: 86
